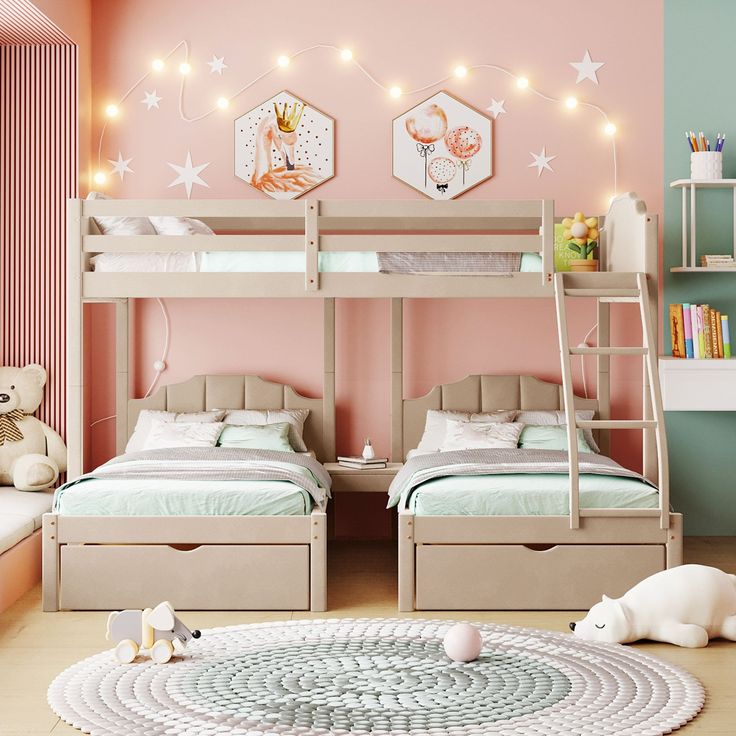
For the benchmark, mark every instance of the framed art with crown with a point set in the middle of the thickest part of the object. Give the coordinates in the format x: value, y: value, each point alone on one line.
x: 284, y: 147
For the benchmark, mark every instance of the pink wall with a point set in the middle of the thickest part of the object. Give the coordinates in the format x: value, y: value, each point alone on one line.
x: 408, y: 43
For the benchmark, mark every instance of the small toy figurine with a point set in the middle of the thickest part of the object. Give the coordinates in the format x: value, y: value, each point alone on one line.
x: 581, y: 232
x: 368, y: 451
x: 156, y: 629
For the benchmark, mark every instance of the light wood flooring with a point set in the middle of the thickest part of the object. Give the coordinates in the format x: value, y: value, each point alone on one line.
x: 35, y: 646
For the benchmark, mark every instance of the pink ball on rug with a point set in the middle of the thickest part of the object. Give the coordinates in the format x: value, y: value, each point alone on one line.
x: 463, y: 643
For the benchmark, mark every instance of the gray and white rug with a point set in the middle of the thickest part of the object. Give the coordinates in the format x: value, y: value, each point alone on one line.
x: 378, y: 677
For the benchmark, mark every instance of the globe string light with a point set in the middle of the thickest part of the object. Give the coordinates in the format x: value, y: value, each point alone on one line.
x: 284, y: 61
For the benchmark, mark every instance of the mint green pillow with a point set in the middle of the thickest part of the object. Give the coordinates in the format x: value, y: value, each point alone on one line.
x: 549, y: 437
x: 257, y: 436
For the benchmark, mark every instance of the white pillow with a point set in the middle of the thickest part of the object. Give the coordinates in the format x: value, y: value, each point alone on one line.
x: 481, y: 435
x: 148, y: 416
x: 436, y: 425
x: 294, y: 417
x: 165, y: 225
x: 557, y: 416
x: 165, y: 434
x: 121, y: 225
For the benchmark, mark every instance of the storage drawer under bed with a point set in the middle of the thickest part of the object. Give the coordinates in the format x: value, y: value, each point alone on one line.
x: 514, y: 577
x: 225, y: 576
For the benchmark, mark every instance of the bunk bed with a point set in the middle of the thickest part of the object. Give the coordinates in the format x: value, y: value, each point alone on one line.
x: 422, y: 250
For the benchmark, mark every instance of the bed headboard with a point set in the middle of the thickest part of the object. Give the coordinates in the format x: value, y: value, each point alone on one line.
x: 242, y: 392
x: 480, y: 394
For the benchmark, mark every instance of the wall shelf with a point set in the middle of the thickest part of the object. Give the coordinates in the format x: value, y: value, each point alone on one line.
x: 689, y: 187
x: 703, y: 269
x: 698, y: 385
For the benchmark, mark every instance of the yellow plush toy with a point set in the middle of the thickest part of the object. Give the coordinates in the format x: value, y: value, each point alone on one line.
x: 581, y: 233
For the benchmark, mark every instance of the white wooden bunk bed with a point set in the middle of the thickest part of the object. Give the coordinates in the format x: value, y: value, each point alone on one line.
x: 75, y: 548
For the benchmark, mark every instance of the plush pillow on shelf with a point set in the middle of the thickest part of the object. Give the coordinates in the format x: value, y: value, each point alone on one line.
x: 549, y: 437
x: 480, y: 435
x: 257, y: 436
x: 557, y: 416
x: 165, y: 225
x: 182, y: 434
x: 148, y: 416
x: 295, y: 418
x: 435, y: 426
x: 110, y: 225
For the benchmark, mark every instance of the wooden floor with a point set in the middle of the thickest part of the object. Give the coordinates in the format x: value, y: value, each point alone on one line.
x: 35, y: 646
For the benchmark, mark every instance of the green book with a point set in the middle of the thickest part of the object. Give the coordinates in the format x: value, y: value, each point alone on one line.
x: 562, y: 253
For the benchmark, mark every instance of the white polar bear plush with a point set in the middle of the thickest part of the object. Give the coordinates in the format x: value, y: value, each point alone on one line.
x: 686, y: 606
x: 31, y: 453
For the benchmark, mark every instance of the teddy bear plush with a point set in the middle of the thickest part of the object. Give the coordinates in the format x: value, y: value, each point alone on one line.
x: 31, y: 453
x: 686, y: 605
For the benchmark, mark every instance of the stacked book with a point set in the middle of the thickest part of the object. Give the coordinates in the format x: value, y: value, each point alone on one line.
x: 699, y: 331
x: 716, y: 261
x: 358, y: 462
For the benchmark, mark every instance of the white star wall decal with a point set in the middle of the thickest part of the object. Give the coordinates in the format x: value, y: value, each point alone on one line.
x: 217, y: 65
x: 120, y: 167
x: 541, y: 161
x: 188, y: 175
x: 151, y: 99
x: 587, y: 68
x: 496, y: 107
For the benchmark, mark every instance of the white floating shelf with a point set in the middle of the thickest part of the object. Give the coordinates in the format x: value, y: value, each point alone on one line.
x: 704, y: 183
x: 698, y: 385
x: 703, y: 269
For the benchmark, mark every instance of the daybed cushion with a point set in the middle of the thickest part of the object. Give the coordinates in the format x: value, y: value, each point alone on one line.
x: 20, y: 514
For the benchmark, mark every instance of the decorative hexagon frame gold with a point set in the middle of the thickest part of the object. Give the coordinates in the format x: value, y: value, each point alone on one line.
x: 442, y: 147
x: 284, y: 147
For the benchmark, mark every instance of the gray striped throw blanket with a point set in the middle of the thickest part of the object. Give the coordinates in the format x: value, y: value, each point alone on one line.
x: 422, y: 468
x: 469, y: 263
x: 217, y: 464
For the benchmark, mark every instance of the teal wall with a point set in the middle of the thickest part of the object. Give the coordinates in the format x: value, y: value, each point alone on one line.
x: 699, y: 95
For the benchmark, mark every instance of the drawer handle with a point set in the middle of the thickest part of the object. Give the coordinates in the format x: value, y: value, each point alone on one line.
x: 540, y: 547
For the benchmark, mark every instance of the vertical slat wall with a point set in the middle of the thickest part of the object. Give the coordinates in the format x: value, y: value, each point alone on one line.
x: 38, y: 172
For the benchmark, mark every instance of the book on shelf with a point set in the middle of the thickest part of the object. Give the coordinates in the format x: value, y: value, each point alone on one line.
x: 361, y: 460
x: 361, y: 466
x: 717, y: 260
x: 699, y: 331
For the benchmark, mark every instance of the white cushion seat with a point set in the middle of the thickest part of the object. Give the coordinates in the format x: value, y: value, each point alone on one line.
x: 21, y: 514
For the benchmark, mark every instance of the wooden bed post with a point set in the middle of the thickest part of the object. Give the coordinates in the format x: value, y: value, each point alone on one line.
x: 603, y: 389
x: 650, y: 462
x: 50, y: 562
x: 318, y: 562
x: 406, y: 561
x: 122, y: 362
x: 397, y: 380
x: 75, y: 344
x: 328, y: 381
x: 674, y: 542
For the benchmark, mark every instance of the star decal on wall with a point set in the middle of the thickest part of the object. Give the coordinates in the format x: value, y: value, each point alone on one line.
x: 496, y: 107
x: 587, y: 68
x: 541, y: 161
x: 217, y: 65
x: 151, y: 99
x: 188, y: 175
x: 120, y: 167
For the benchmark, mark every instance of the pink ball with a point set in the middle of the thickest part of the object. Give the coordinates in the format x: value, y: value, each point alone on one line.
x: 463, y: 643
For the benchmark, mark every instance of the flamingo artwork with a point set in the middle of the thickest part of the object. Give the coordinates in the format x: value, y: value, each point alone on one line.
x: 284, y: 147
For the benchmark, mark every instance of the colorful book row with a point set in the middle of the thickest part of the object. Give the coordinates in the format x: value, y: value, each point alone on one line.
x: 699, y: 331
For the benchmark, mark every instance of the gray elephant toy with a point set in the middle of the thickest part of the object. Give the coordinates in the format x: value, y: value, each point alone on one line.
x: 156, y: 629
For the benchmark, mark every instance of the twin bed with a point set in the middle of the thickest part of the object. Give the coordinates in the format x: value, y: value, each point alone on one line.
x: 480, y: 528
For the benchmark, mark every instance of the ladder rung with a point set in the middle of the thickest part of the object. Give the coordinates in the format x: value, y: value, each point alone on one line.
x: 620, y: 300
x: 609, y: 351
x: 616, y: 423
x: 629, y: 293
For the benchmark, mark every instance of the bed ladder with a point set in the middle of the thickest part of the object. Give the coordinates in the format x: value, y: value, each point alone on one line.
x: 611, y: 287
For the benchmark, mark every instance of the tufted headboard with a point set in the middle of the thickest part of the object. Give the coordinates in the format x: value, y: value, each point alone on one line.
x: 242, y: 392
x: 480, y: 394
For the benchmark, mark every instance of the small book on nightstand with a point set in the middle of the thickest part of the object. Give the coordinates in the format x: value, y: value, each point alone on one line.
x: 358, y: 462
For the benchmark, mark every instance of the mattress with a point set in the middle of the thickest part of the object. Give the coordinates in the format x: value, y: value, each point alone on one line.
x: 543, y: 494
x: 252, y: 262
x: 108, y: 497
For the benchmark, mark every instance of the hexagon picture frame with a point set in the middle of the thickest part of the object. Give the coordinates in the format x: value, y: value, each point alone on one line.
x: 284, y: 147
x: 442, y: 147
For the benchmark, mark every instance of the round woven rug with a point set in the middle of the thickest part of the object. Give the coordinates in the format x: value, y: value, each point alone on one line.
x: 382, y: 677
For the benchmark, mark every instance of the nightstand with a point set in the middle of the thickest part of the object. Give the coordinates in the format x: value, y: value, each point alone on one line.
x: 361, y: 481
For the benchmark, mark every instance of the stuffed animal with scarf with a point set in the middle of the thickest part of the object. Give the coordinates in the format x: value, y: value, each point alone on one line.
x: 31, y: 453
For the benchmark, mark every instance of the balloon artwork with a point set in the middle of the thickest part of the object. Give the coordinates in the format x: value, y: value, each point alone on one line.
x: 426, y: 127
x: 463, y: 143
x: 442, y: 171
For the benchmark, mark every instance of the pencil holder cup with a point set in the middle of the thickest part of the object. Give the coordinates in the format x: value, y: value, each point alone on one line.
x: 706, y: 165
